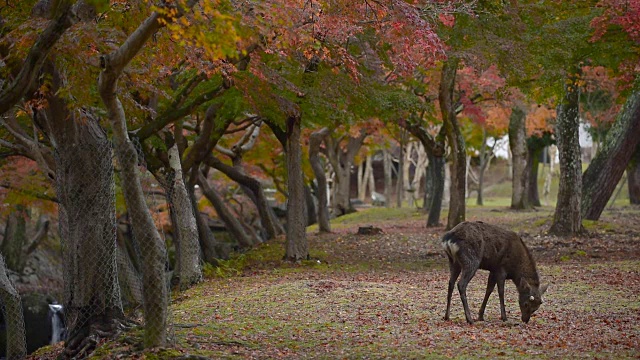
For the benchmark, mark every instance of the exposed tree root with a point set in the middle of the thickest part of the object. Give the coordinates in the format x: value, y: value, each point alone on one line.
x: 83, y: 341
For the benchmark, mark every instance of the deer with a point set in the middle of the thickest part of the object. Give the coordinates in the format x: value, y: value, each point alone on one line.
x: 476, y: 245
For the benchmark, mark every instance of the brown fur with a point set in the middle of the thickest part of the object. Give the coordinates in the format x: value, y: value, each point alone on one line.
x: 475, y: 245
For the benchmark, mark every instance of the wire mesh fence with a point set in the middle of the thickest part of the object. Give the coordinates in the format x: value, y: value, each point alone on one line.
x: 15, y: 345
x: 105, y: 259
x: 113, y: 272
x: 188, y: 260
x: 86, y: 191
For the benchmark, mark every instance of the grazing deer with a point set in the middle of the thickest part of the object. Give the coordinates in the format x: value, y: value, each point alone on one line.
x: 475, y: 245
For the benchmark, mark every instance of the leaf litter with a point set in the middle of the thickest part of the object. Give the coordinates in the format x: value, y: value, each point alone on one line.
x: 383, y: 296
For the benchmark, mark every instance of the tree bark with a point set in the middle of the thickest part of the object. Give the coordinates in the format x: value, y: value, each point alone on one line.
x: 518, y: 146
x: 85, y: 191
x: 185, y: 227
x: 297, y: 246
x: 567, y: 219
x: 406, y: 176
x: 341, y: 162
x: 633, y: 178
x: 369, y: 178
x: 552, y: 150
x: 456, y: 142
x: 13, y: 319
x: 360, y: 186
x: 85, y: 187
x: 435, y: 172
x: 309, y: 200
x: 363, y: 179
x: 153, y: 252
x: 479, y: 198
x: 400, y: 173
x: 211, y: 249
x: 15, y: 238
x: 128, y: 275
x: 42, y: 232
x: 233, y: 225
x: 486, y: 155
x: 605, y: 171
x: 388, y: 179
x: 420, y: 168
x: 315, y: 140
x: 533, y: 163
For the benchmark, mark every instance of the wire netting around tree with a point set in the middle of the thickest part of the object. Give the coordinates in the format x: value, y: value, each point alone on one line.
x: 13, y: 319
x: 103, y: 266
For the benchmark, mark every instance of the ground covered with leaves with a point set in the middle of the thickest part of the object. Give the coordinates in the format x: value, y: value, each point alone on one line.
x: 383, y: 296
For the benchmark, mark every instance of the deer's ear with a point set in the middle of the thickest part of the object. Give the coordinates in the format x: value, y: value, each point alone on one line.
x: 524, y: 284
x: 543, y: 289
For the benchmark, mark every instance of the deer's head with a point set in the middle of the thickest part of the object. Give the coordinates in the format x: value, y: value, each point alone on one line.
x: 530, y: 298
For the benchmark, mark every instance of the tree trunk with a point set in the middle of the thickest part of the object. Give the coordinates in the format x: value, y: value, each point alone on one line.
x: 429, y: 183
x: 315, y: 141
x: 312, y: 216
x: 400, y: 174
x: 387, y: 163
x: 509, y: 164
x: 567, y: 219
x: 153, y: 247
x: 456, y: 142
x: 211, y: 249
x: 128, y: 275
x: 342, y: 204
x: 341, y: 162
x: 633, y: 178
x: 42, y: 233
x: 479, y: 199
x: 368, y: 182
x: 85, y: 188
x: 13, y: 319
x: 297, y: 246
x: 518, y: 146
x: 435, y: 172
x: 270, y: 223
x: 486, y: 155
x: 362, y: 184
x: 15, y: 238
x: 420, y: 167
x: 234, y: 227
x: 533, y: 163
x: 185, y: 227
x: 552, y: 149
x: 406, y: 176
x: 86, y: 193
x: 369, y: 177
x: 606, y: 169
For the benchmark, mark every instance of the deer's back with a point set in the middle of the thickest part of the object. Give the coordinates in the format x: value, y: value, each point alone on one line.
x: 494, y: 246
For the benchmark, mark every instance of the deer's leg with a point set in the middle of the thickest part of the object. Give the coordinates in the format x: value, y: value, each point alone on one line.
x: 491, y: 284
x: 500, y: 278
x: 454, y: 271
x: 468, y: 271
